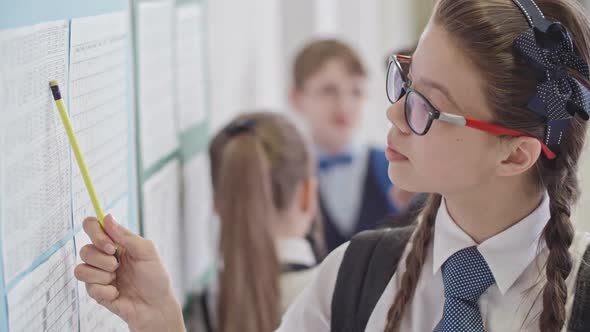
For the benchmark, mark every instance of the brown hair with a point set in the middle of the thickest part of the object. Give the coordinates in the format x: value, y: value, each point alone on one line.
x: 314, y: 55
x: 255, y: 173
x: 510, y: 83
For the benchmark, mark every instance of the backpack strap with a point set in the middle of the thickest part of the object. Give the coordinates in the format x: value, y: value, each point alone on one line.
x: 580, y: 320
x: 367, y: 267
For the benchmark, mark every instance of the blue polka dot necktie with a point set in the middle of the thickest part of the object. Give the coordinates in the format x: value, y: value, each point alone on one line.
x: 466, y: 276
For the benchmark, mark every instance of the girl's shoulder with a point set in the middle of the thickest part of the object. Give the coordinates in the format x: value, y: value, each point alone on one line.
x: 293, y: 283
x: 311, y: 310
x: 578, y: 298
x: 579, y: 246
x: 581, y: 238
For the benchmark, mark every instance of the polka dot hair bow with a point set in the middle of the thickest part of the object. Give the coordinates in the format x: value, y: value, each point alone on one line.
x: 548, y: 47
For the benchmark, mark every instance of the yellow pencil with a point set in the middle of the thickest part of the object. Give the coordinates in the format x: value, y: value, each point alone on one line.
x: 76, y: 148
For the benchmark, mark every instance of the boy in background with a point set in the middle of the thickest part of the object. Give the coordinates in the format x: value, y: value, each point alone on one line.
x: 329, y: 92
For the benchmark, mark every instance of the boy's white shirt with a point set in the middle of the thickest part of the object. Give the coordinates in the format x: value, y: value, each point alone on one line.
x: 504, y: 306
x: 341, y: 188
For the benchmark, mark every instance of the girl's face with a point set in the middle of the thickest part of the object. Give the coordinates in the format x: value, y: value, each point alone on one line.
x: 449, y: 158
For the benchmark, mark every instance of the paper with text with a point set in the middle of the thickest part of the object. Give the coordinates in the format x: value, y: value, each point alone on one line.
x: 99, y: 102
x: 158, y: 135
x: 46, y: 299
x: 162, y: 223
x: 200, y: 244
x: 190, y: 73
x: 35, y: 186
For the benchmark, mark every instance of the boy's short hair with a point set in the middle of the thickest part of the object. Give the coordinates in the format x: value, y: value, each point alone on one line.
x: 315, y: 54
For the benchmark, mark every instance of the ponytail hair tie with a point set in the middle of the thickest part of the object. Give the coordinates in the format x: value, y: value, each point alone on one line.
x: 240, y: 127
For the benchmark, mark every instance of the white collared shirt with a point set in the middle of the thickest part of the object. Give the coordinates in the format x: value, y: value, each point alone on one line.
x: 289, y: 251
x: 515, y: 256
x: 294, y: 251
x: 341, y: 188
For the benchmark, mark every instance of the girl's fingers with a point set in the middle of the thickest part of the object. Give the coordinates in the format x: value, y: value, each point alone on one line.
x: 92, y: 275
x: 97, y: 258
x: 98, y: 236
x: 103, y: 294
x: 133, y: 244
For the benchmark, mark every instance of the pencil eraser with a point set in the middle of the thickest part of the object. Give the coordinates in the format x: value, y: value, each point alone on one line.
x: 55, y: 90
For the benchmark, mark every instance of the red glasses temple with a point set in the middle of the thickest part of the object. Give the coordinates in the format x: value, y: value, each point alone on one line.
x: 501, y: 131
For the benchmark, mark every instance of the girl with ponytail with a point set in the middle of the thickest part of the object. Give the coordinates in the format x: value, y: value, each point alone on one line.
x: 265, y: 196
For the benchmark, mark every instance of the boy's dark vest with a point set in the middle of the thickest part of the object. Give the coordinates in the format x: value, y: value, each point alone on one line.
x: 370, y: 262
x: 376, y: 203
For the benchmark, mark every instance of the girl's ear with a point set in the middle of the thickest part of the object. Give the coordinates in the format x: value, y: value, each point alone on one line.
x: 308, y: 195
x: 520, y: 155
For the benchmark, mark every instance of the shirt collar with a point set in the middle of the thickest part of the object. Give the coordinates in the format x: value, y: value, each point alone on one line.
x: 295, y: 251
x: 507, y: 253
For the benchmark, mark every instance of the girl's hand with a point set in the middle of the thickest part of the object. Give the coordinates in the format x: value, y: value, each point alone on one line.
x: 137, y: 288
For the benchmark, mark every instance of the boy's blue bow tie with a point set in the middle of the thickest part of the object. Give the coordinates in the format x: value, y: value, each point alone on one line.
x: 327, y: 163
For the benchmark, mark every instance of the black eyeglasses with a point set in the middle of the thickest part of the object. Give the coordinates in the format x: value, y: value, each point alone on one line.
x: 420, y: 113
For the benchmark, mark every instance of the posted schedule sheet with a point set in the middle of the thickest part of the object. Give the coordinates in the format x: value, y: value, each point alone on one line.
x: 43, y: 198
x: 98, y: 107
x: 35, y: 167
x: 156, y: 80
